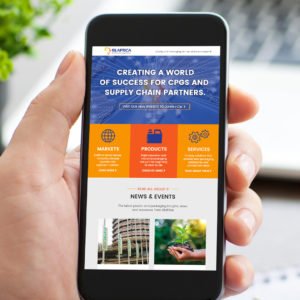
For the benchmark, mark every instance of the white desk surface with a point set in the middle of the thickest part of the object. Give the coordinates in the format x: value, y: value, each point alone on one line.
x: 277, y: 243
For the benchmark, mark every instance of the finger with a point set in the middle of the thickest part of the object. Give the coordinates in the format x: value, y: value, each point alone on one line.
x: 178, y: 257
x: 241, y: 106
x: 177, y: 248
x: 172, y: 253
x: 180, y: 249
x: 45, y: 126
x: 239, y: 275
x: 244, y: 160
x: 176, y: 254
x: 72, y: 172
x: 243, y: 217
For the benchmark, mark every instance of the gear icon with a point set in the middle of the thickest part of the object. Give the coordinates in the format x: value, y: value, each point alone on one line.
x: 204, y: 134
x: 195, y: 137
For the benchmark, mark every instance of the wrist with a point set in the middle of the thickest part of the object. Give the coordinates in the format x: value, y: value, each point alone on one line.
x: 199, y: 254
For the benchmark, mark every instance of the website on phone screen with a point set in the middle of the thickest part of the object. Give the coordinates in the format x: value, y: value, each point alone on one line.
x: 152, y: 189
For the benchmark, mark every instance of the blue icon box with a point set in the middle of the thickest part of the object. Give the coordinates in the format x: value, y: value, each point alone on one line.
x: 154, y: 136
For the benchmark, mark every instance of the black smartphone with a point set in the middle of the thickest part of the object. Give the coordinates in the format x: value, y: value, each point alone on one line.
x: 153, y: 152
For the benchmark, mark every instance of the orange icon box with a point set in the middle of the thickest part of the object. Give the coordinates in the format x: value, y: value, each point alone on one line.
x: 198, y: 151
x: 109, y: 148
x: 153, y: 151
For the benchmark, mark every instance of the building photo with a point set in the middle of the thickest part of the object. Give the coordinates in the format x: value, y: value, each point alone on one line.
x: 123, y: 241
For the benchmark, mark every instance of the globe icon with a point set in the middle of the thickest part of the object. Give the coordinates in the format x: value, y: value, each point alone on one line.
x: 108, y: 135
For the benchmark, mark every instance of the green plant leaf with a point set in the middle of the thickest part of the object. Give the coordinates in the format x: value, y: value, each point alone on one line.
x: 41, y: 32
x: 22, y: 23
x: 6, y: 66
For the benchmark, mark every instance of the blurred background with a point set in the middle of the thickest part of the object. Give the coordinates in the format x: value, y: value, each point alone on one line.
x: 265, y: 61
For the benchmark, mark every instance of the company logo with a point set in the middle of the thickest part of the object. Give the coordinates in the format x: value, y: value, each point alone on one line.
x: 109, y: 50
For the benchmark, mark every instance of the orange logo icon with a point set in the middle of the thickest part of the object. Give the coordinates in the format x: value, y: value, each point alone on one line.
x: 107, y: 50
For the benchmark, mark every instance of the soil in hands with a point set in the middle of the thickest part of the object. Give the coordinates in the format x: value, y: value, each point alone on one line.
x: 185, y: 246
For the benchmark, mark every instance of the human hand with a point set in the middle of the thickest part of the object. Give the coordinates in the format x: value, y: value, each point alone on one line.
x: 39, y: 194
x: 182, y: 254
x: 244, y: 210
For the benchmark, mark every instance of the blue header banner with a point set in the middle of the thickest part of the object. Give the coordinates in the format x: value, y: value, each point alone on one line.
x: 155, y: 90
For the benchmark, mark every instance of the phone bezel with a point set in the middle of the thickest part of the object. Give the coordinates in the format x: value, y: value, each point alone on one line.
x: 178, y: 29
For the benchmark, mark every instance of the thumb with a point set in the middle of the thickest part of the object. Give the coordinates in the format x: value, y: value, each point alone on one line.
x: 42, y: 135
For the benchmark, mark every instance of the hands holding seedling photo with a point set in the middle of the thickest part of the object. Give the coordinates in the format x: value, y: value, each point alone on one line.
x: 181, y: 249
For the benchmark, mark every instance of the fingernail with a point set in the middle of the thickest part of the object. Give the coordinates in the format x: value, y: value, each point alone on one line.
x: 66, y: 62
x: 247, y: 218
x: 247, y: 166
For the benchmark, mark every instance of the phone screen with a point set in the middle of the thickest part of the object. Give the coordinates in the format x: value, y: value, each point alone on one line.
x: 153, y: 158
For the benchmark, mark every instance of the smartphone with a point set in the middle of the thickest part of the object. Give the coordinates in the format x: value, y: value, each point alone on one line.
x: 153, y: 152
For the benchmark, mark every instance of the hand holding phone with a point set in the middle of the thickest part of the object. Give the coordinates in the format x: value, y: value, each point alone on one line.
x: 55, y: 232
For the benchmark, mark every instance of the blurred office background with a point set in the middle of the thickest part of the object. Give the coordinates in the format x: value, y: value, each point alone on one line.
x: 265, y: 61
